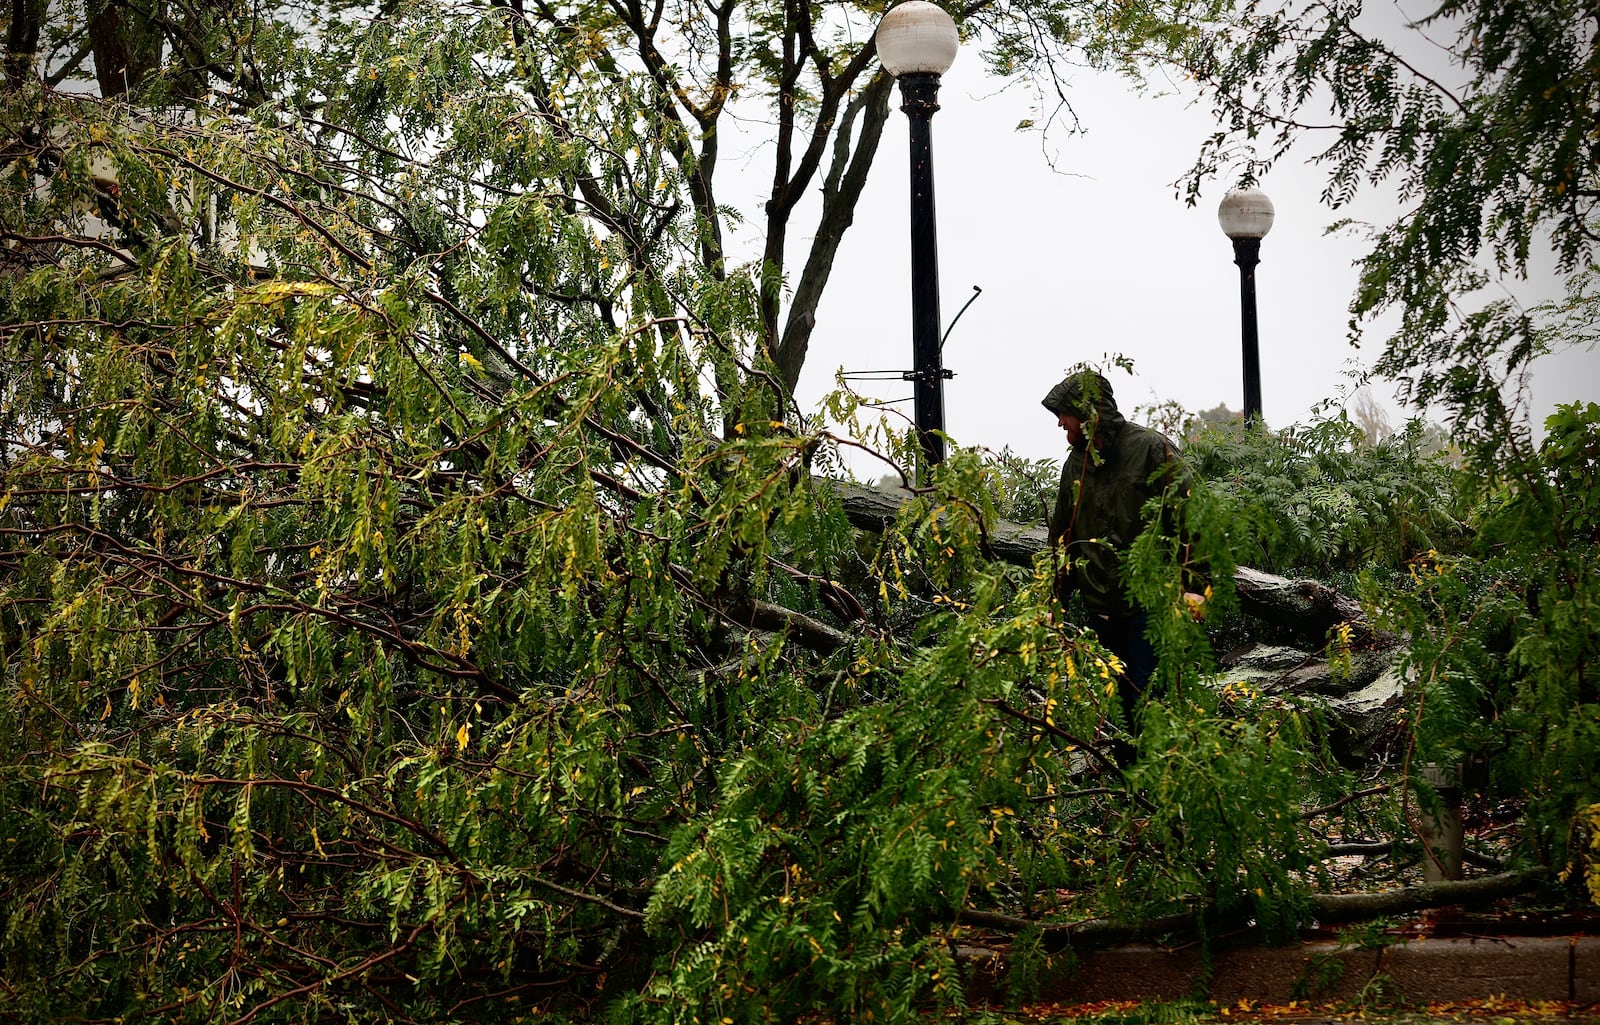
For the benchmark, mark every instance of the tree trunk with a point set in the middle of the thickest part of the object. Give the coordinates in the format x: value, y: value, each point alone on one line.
x: 841, y: 191
x: 22, y: 40
x: 126, y: 45
x: 1328, y: 908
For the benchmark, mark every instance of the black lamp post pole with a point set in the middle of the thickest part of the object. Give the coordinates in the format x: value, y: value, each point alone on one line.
x: 1247, y: 253
x: 919, y: 99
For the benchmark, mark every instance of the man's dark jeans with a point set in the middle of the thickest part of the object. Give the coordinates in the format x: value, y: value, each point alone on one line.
x: 1125, y: 637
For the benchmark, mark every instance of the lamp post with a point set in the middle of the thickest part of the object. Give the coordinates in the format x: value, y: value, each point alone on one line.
x: 917, y: 43
x: 1246, y: 216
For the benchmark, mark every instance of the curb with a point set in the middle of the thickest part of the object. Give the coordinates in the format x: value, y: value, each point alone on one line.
x: 1432, y: 970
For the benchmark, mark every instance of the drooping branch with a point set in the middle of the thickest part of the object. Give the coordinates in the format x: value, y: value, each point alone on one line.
x: 809, y: 632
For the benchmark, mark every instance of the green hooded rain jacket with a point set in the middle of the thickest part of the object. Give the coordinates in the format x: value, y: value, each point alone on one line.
x: 1105, y: 485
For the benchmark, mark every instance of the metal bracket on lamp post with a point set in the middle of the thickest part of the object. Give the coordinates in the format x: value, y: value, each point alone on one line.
x: 944, y: 373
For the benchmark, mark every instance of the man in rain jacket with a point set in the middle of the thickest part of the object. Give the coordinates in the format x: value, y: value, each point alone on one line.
x: 1114, y: 469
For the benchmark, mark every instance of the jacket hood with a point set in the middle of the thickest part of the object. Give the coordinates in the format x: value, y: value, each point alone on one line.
x: 1082, y: 394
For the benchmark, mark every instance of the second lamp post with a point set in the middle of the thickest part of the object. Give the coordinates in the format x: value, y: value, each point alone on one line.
x: 1246, y: 216
x: 917, y: 43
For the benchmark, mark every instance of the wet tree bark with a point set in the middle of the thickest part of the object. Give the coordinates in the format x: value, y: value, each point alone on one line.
x: 1327, y: 908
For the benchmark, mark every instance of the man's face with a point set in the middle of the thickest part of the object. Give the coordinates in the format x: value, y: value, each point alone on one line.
x: 1073, y: 426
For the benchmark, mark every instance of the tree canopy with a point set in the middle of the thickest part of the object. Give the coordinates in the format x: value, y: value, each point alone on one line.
x: 418, y: 602
x: 1481, y: 117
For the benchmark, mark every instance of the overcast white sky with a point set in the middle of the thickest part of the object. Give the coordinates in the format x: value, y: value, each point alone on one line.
x: 1099, y: 255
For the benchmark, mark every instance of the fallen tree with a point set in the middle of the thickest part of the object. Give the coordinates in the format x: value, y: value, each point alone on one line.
x: 1326, y: 908
x: 1308, y: 608
x: 1356, y: 681
x: 411, y: 607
